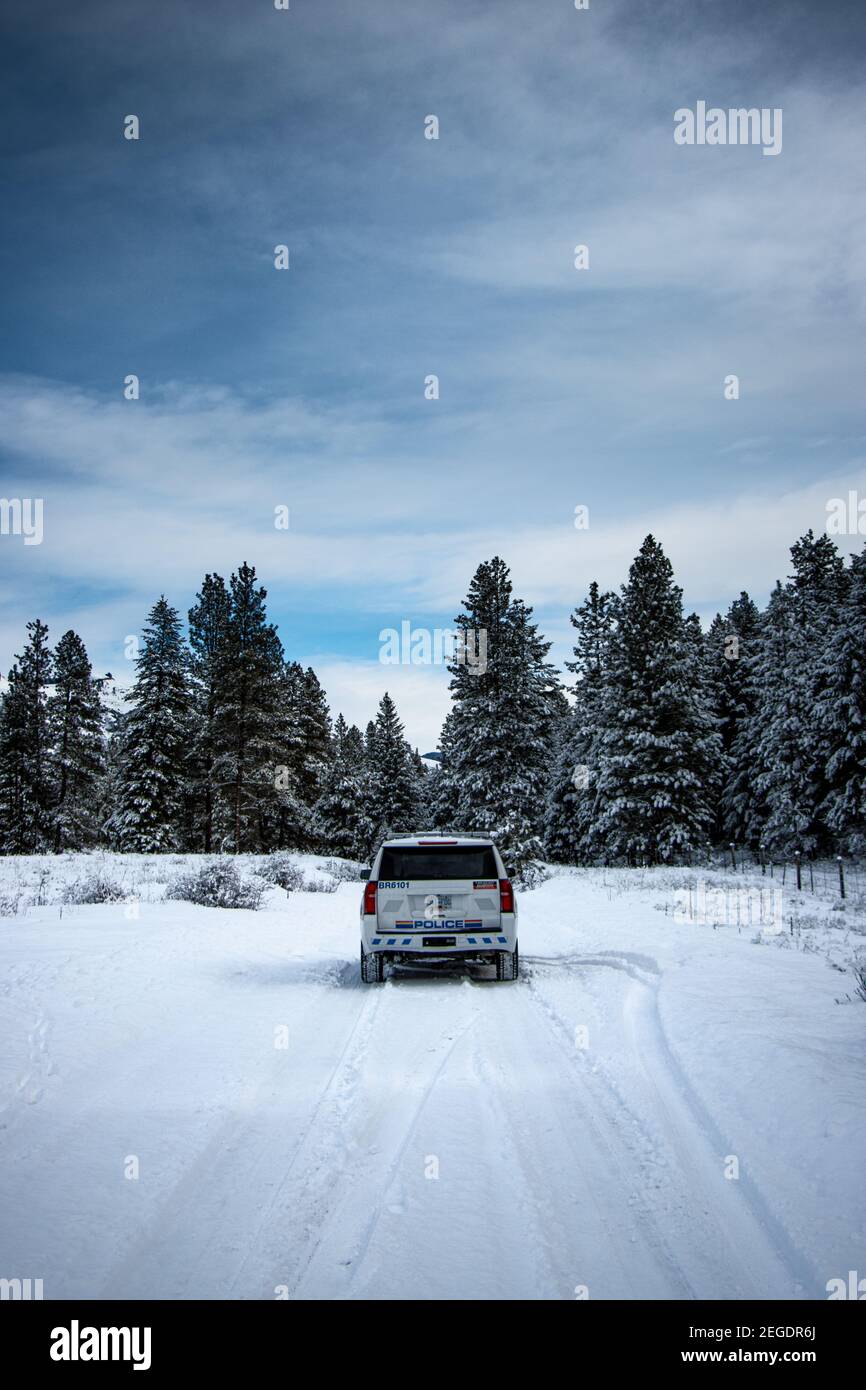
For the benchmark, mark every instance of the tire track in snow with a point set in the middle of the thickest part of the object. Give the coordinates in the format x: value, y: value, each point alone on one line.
x: 322, y: 1132
x: 383, y: 1181
x: 700, y: 1137
x: 203, y: 1233
x: 601, y: 1239
x: 759, y: 1260
x: 534, y: 1155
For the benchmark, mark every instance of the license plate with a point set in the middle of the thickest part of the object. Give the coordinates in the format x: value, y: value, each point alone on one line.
x: 437, y: 905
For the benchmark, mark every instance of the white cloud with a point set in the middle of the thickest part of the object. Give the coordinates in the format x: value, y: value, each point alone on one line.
x: 354, y: 688
x: 140, y: 507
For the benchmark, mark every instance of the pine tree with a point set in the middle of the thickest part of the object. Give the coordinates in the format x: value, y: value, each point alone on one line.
x: 25, y: 779
x: 570, y: 796
x: 658, y: 753
x: 820, y: 587
x: 111, y: 785
x: 358, y: 763
x: 293, y: 828
x: 504, y: 716
x: 717, y: 767
x: 422, y: 772
x: 562, y: 832
x: 731, y: 641
x: 314, y: 728
x: 785, y: 744
x: 445, y: 790
x: 732, y: 645
x: 391, y: 785
x: 75, y: 721
x: 247, y: 725
x: 841, y: 712
x: 782, y: 804
x: 208, y: 639
x: 340, y: 820
x: 304, y: 738
x: 148, y: 818
x: 353, y: 748
x: 820, y: 580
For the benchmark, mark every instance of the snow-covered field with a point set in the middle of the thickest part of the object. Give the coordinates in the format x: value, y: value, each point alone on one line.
x: 207, y: 1104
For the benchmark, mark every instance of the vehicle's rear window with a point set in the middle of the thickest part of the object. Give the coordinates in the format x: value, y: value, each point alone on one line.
x: 412, y: 865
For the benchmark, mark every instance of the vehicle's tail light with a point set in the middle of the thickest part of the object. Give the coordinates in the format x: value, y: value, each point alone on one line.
x: 369, y: 898
x: 506, y: 895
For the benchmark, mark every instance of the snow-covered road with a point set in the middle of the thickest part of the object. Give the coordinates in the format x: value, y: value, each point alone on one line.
x: 201, y: 1104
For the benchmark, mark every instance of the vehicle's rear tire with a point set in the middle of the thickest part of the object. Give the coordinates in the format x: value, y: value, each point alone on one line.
x: 372, y: 967
x: 507, y: 964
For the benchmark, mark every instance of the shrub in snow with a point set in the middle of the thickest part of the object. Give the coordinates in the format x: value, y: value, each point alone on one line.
x: 531, y: 875
x: 860, y: 977
x: 216, y: 885
x: 320, y: 885
x: 95, y: 887
x: 8, y: 905
x: 342, y: 870
x: 281, y: 869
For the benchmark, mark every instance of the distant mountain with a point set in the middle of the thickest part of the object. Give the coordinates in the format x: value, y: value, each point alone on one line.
x: 112, y: 693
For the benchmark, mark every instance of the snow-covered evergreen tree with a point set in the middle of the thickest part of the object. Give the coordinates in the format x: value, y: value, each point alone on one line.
x: 562, y: 833
x: 786, y: 745
x: 152, y: 773
x: 732, y: 645
x: 841, y: 711
x: 290, y: 827
x: 445, y: 788
x: 570, y: 795
x: 341, y: 822
x: 76, y: 728
x: 112, y: 780
x: 731, y: 641
x: 658, y: 754
x: 501, y: 733
x: 248, y: 728
x: 233, y: 746
x: 782, y: 804
x: 422, y: 791
x: 820, y: 589
x: 316, y: 749
x: 352, y: 748
x: 705, y: 715
x: 391, y: 789
x: 209, y: 620
x: 25, y: 773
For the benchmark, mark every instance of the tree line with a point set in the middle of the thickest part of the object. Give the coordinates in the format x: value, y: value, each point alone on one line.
x: 752, y: 733
x: 224, y: 744
x: 666, y: 740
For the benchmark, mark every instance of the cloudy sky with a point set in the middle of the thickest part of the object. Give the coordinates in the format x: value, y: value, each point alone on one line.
x: 411, y: 257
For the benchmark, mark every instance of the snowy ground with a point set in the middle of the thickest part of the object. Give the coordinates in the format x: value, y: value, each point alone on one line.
x: 297, y: 1134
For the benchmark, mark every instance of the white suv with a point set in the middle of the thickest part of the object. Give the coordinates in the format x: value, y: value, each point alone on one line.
x: 434, y: 896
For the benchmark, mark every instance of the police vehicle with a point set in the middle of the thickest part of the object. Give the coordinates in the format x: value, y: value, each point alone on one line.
x: 434, y: 896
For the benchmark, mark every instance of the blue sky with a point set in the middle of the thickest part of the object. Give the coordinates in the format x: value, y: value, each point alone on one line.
x: 409, y: 257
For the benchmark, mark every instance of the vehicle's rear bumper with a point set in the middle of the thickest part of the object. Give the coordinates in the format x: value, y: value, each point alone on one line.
x: 438, y: 941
